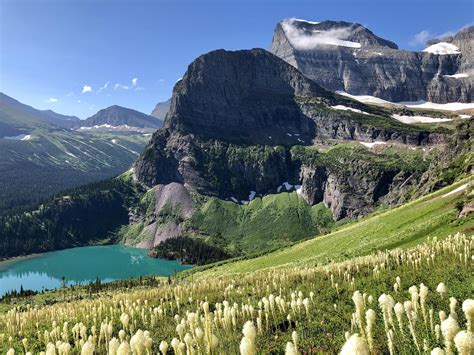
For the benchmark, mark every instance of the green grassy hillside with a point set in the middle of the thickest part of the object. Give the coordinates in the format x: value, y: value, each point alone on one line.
x: 404, y: 226
x: 53, y: 160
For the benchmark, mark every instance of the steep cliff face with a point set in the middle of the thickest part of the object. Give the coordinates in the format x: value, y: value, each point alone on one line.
x: 246, y: 124
x: 348, y: 57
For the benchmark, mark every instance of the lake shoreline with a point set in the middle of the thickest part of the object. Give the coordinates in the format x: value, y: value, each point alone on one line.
x: 82, y: 265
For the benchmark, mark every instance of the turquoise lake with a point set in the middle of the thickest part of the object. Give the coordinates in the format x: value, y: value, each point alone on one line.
x: 80, y: 266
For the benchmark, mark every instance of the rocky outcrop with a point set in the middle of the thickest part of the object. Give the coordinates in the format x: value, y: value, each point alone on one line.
x: 348, y: 57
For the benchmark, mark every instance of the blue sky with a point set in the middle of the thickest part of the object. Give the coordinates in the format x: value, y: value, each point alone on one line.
x: 53, y: 51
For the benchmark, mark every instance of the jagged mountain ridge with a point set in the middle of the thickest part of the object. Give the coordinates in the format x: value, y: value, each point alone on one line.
x: 120, y: 116
x: 348, y: 57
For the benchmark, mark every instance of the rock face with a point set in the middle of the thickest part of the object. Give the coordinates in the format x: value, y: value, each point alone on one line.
x: 348, y: 57
x: 235, y: 120
x: 119, y: 116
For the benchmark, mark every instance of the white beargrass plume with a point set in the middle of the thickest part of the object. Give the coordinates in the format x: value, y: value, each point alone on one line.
x: 87, y: 348
x: 452, y: 307
x: 11, y: 352
x: 370, y: 319
x: 51, y: 350
x: 124, y: 349
x: 441, y: 289
x: 163, y: 347
x: 464, y: 342
x: 449, y: 328
x: 290, y: 349
x: 359, y: 304
x: 113, y: 346
x: 398, y: 308
x: 137, y: 343
x: 355, y: 345
x: 468, y: 309
x: 437, y: 351
x: 188, y: 340
x: 423, y: 295
x: 175, y: 345
x: 247, y: 344
x: 24, y: 341
x: 294, y: 336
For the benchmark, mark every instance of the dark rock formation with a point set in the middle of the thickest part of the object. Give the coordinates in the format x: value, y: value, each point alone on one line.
x: 233, y: 121
x: 348, y: 57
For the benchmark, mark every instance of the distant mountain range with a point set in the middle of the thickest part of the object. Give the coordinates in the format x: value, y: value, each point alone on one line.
x: 42, y: 153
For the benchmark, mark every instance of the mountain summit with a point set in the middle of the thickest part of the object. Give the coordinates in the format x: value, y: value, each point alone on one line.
x: 348, y: 57
x: 119, y: 116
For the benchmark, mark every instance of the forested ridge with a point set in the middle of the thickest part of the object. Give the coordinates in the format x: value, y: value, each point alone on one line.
x: 86, y: 215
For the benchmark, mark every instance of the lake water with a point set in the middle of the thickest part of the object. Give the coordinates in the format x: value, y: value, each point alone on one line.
x: 82, y: 265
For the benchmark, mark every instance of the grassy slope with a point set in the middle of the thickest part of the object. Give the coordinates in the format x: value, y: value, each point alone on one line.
x: 263, y: 224
x: 54, y: 160
x: 404, y: 226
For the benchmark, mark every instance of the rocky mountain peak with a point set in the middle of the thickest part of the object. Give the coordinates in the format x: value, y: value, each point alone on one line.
x: 117, y: 116
x: 308, y: 35
x: 242, y: 96
x: 348, y: 57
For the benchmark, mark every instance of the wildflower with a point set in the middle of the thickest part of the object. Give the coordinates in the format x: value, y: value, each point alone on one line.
x: 468, y: 309
x: 113, y: 346
x: 370, y: 318
x: 437, y: 351
x: 247, y: 344
x: 163, y: 347
x: 355, y: 345
x: 290, y: 349
x: 441, y: 289
x: 464, y: 342
x: 449, y: 328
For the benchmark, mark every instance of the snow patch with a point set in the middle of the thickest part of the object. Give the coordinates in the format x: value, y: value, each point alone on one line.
x: 455, y: 191
x: 457, y: 76
x: 234, y: 199
x: 252, y: 195
x: 451, y: 106
x: 114, y: 141
x: 305, y: 40
x: 370, y: 145
x: 345, y: 108
x: 420, y: 119
x: 442, y: 48
x: 465, y: 116
x: 20, y: 137
x: 310, y: 22
x: 70, y: 154
x: 364, y: 98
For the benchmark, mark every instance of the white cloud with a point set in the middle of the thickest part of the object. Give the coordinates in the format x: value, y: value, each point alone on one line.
x: 134, y: 81
x: 79, y: 101
x: 71, y: 93
x: 420, y: 38
x: 310, y: 39
x: 102, y: 88
x: 121, y: 86
x: 423, y: 36
x: 86, y: 88
x: 52, y: 100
